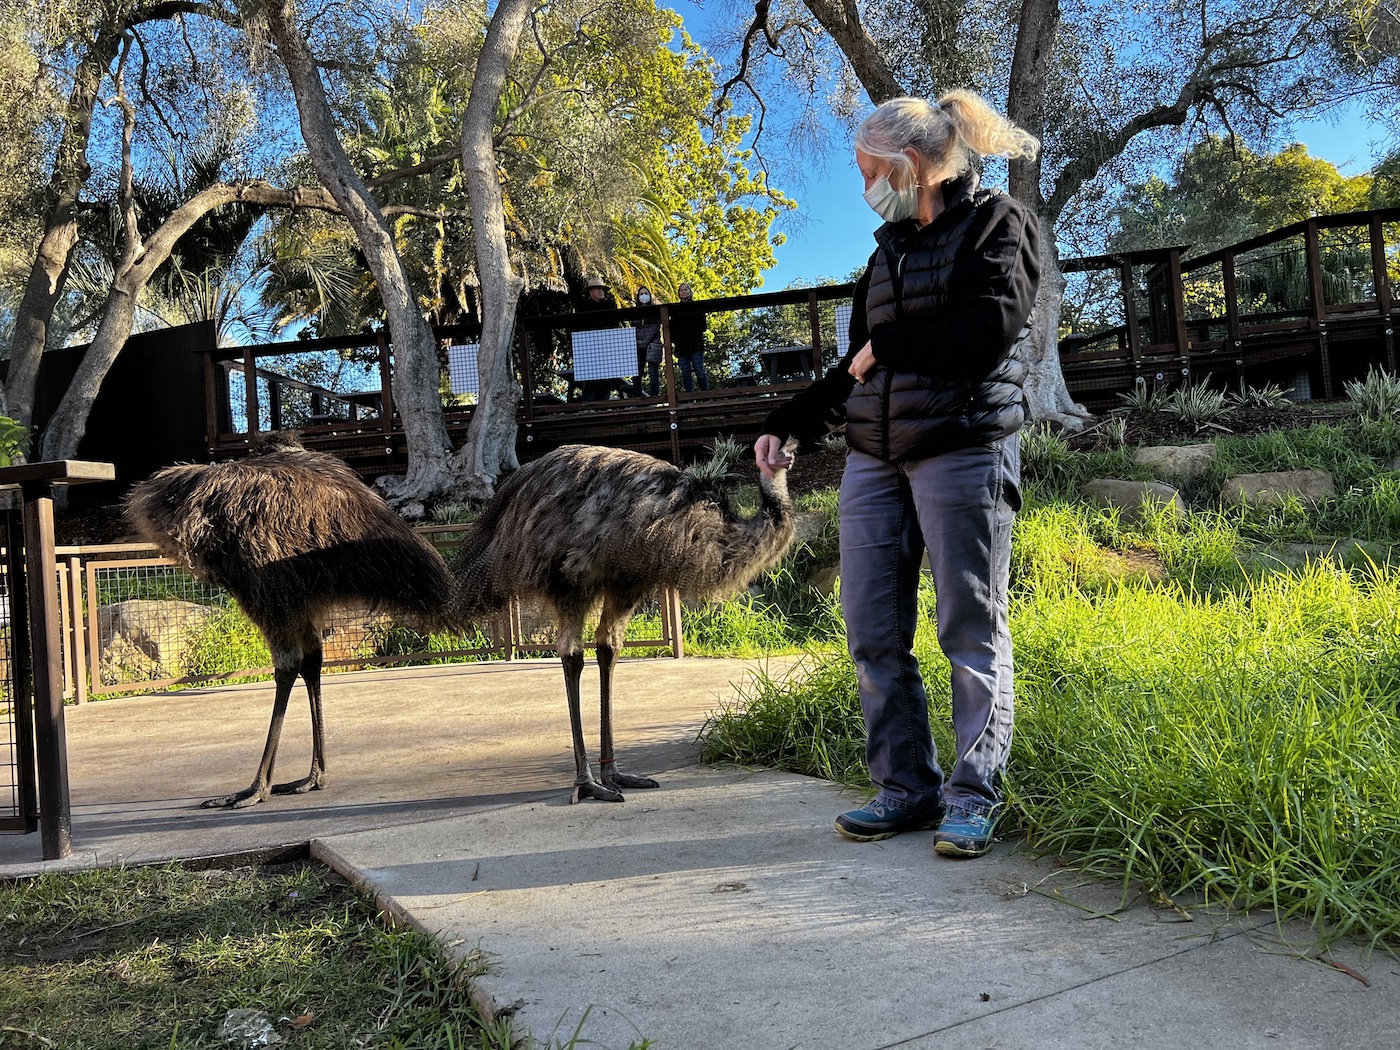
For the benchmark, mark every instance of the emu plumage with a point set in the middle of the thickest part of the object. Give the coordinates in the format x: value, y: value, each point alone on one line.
x: 586, y: 527
x: 290, y: 534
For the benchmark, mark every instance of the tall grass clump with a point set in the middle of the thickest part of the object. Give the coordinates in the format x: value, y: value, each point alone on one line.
x: 1244, y: 748
x: 1186, y: 722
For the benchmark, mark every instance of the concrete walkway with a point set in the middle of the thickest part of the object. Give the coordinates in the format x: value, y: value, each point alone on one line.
x: 718, y: 912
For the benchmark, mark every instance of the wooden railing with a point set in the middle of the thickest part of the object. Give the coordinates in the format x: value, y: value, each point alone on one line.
x: 1305, y: 299
x: 1294, y: 303
x: 363, y: 426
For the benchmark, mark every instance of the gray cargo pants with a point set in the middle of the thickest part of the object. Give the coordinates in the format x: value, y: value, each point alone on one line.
x: 959, y: 506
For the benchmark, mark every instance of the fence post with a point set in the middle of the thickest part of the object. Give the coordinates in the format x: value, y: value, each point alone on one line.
x: 1178, y: 311
x: 35, y: 482
x: 814, y: 317
x: 1130, y: 316
x: 672, y: 600
x: 252, y: 416
x: 77, y: 622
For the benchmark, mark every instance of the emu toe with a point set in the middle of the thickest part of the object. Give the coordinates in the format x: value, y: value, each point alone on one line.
x: 627, y: 780
x: 242, y: 800
x: 315, y: 782
x: 594, y: 790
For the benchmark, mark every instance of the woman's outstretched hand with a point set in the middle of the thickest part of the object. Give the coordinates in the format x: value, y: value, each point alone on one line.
x: 769, y: 455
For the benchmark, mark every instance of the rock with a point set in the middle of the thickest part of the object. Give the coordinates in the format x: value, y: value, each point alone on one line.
x: 823, y: 580
x: 1178, y: 461
x: 142, y: 638
x: 1343, y: 552
x: 807, y: 525
x: 1276, y: 487
x: 1132, y: 497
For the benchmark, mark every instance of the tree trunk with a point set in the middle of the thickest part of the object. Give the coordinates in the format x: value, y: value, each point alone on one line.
x: 49, y: 274
x: 841, y: 19
x: 1047, y: 396
x: 416, y: 372
x: 65, y: 429
x: 490, y: 444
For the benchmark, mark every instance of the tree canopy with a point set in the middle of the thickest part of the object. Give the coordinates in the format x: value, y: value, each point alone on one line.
x: 1221, y: 192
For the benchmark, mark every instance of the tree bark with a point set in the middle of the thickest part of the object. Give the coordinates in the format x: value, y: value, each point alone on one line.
x: 1047, y: 396
x: 416, y: 372
x: 490, y: 444
x: 49, y: 274
x: 841, y: 19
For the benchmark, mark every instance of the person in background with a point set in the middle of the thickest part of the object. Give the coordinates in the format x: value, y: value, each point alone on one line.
x: 933, y: 400
x: 597, y: 298
x: 649, y: 348
x: 688, y: 341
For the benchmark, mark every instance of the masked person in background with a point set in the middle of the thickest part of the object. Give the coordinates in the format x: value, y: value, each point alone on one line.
x: 649, y: 348
x: 932, y: 397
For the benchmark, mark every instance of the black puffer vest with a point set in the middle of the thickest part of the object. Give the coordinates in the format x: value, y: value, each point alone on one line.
x: 898, y: 415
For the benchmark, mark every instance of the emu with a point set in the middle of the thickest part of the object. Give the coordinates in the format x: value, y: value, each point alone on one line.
x: 290, y: 534
x: 585, y: 528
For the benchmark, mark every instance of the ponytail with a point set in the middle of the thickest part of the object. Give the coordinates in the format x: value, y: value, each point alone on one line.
x: 938, y: 130
x: 985, y: 130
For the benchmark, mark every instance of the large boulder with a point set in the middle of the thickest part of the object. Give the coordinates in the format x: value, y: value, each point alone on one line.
x: 1310, y: 486
x: 1178, y: 461
x: 146, y: 639
x: 1132, y: 498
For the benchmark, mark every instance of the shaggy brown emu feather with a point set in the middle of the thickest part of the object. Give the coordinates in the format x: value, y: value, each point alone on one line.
x: 587, y: 527
x: 290, y: 534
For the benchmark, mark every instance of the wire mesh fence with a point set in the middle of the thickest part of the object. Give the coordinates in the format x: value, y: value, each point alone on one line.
x: 13, y: 755
x: 138, y: 622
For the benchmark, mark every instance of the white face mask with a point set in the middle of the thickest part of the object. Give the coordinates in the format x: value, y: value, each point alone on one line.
x: 644, y: 298
x: 891, y: 204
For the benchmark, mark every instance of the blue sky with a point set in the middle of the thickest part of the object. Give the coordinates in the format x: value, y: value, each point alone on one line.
x: 833, y: 236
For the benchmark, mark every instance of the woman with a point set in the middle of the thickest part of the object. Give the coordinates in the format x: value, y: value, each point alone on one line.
x: 649, y: 348
x: 688, y: 339
x: 932, y: 393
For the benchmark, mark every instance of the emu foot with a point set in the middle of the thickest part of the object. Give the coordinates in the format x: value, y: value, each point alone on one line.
x: 594, y: 790
x: 627, y: 780
x: 250, y: 796
x: 315, y: 782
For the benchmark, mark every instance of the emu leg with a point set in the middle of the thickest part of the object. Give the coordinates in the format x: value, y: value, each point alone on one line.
x: 286, y: 679
x: 612, y: 627
x: 571, y: 655
x: 311, y: 675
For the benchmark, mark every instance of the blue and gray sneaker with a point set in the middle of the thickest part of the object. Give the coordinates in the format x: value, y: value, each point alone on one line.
x: 877, y: 820
x: 964, y: 833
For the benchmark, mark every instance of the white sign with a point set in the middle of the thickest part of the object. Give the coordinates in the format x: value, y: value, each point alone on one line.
x: 605, y: 353
x: 462, y: 368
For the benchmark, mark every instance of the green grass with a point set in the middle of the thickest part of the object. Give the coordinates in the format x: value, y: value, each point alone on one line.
x: 1194, y: 718
x: 157, y: 958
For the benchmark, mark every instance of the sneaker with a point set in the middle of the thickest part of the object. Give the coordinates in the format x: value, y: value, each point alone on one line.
x: 964, y: 833
x: 876, y: 820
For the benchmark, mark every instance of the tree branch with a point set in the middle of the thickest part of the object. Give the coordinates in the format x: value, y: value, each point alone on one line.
x: 842, y: 21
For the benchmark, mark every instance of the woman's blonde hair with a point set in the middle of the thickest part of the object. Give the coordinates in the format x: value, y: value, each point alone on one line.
x: 944, y: 131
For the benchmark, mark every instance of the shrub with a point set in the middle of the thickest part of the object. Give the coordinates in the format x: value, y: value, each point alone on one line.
x: 1377, y: 397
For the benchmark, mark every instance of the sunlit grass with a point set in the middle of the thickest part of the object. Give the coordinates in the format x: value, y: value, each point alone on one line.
x: 1193, y: 717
